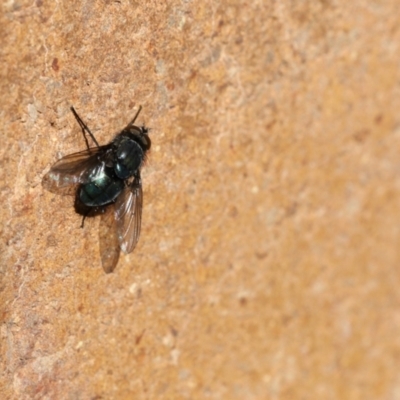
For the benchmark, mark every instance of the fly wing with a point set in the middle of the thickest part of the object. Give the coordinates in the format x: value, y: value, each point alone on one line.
x: 74, y: 169
x: 128, y: 215
x: 109, y: 244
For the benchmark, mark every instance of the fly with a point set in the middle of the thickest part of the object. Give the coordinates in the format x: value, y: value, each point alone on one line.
x: 106, y: 181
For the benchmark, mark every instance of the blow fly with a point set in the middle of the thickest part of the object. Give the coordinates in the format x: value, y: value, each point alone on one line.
x: 105, y: 180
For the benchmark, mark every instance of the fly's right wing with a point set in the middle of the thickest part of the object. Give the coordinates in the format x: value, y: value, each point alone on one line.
x: 109, y: 244
x: 128, y: 215
x: 74, y: 169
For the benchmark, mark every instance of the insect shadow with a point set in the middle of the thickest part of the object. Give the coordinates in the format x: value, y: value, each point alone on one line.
x: 105, y: 180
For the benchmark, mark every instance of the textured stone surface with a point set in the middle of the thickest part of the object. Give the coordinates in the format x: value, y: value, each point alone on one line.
x: 269, y: 261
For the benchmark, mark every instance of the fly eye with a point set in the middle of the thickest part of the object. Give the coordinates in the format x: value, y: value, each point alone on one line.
x: 146, y: 142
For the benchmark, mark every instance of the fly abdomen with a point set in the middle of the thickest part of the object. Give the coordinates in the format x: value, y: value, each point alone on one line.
x: 101, y: 191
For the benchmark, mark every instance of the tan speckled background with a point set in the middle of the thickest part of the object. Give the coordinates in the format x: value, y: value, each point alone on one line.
x: 269, y: 260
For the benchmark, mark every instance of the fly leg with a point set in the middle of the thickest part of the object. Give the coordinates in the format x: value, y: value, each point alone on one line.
x: 84, y: 128
x: 134, y: 118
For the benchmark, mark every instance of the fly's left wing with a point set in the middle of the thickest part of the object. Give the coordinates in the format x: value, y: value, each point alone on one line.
x: 128, y: 215
x: 74, y: 169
